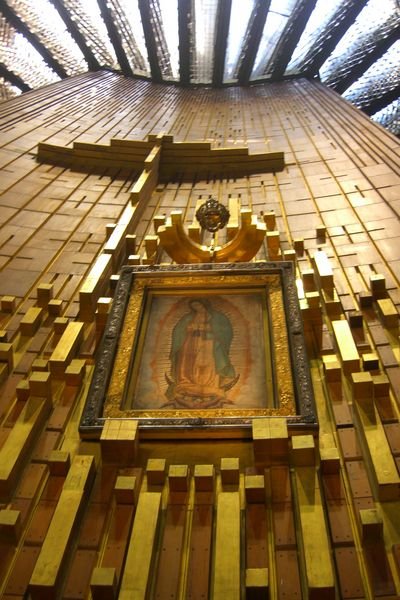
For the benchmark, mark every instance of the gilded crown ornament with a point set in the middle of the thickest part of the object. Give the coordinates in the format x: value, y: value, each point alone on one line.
x: 244, y: 234
x: 212, y: 215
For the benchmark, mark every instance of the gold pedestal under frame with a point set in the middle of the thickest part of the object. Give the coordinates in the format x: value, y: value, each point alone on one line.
x: 252, y: 364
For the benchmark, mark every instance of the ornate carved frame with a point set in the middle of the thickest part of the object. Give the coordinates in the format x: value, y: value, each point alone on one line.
x: 116, y: 352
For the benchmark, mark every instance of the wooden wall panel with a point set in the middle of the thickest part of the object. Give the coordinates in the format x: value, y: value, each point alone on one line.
x: 338, y: 194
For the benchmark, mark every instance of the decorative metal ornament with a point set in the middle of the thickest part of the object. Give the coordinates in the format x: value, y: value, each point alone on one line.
x: 212, y: 215
x: 184, y: 249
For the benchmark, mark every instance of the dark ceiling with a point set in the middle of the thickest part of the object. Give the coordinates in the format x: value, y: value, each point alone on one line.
x: 353, y: 46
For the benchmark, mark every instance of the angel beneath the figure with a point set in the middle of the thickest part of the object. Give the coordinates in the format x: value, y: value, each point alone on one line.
x: 201, y: 371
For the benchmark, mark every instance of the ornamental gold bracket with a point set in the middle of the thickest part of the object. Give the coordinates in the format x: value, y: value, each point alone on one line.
x: 242, y: 247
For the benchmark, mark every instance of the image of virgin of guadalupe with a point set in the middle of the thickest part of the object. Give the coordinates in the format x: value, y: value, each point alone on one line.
x: 201, y: 371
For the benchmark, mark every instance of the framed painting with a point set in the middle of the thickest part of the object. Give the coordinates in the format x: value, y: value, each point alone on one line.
x: 204, y: 348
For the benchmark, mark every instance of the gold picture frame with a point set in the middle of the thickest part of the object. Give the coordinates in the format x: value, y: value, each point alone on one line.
x: 202, y: 348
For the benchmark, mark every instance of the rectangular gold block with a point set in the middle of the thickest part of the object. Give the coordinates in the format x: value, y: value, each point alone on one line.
x: 309, y: 314
x: 298, y: 244
x: 371, y: 525
x: 66, y: 349
x: 270, y: 220
x: 22, y: 390
x: 370, y: 362
x: 119, y: 441
x: 323, y: 270
x: 362, y: 385
x: 384, y: 470
x: 278, y: 429
x: 18, y: 442
x: 114, y: 279
x: 257, y: 582
x: 229, y: 470
x: 320, y: 232
x: 313, y: 299
x: 40, y: 384
x: 289, y: 255
x: 347, y: 348
x: 270, y: 440
x: 273, y: 241
x: 44, y: 293
x: 47, y: 572
x: 329, y: 460
x: 116, y: 246
x: 381, y: 385
x: 134, y: 259
x: 104, y: 584
x: 377, y: 283
x: 388, y: 313
x: 130, y: 242
x: 178, y: 477
x: 365, y: 299
x: 151, y: 245
x: 155, y: 471
x: 303, y: 450
x: 153, y: 158
x: 204, y: 478
x: 308, y: 278
x: 143, y: 188
x: 59, y: 462
x: 40, y: 364
x: 60, y: 325
x: 7, y: 355
x: 356, y: 319
x: 124, y: 489
x: 103, y: 305
x: 142, y: 546
x: 332, y: 369
x: 226, y: 581
x: 10, y: 525
x: 75, y: 371
x: 332, y: 303
x: 317, y: 556
x: 94, y: 285
x: 8, y: 304
x: 30, y: 322
x: 254, y: 487
x: 158, y: 221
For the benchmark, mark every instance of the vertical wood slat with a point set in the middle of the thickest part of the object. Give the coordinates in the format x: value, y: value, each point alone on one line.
x: 135, y: 581
x: 46, y: 575
x: 117, y: 540
x: 169, y: 568
x: 256, y: 536
x: 317, y: 556
x: 349, y: 576
x: 287, y: 575
x: 226, y: 584
x: 198, y: 575
x: 16, y: 446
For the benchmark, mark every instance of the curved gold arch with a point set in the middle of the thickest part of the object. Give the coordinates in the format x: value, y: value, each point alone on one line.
x: 241, y: 248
